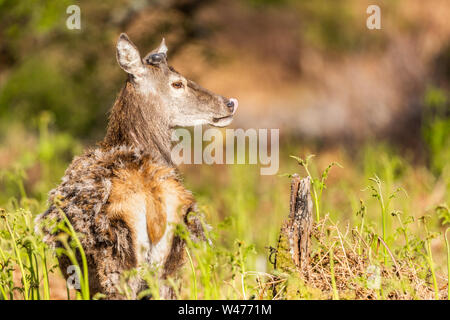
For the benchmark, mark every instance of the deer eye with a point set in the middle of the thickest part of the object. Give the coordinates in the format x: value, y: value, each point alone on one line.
x: 177, y: 85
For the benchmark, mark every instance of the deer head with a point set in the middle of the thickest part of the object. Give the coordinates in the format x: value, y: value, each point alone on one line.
x: 155, y: 99
x: 181, y: 102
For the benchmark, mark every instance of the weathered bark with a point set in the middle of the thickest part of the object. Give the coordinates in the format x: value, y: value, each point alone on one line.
x: 293, y: 247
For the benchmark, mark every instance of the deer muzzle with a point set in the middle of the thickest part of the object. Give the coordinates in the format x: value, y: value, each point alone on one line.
x: 232, y: 105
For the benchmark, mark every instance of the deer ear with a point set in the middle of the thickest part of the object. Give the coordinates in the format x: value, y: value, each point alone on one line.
x: 128, y: 56
x: 158, y: 56
x: 162, y: 47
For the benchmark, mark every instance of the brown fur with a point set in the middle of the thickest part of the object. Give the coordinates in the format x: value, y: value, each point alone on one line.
x: 150, y: 185
x: 98, y: 193
x: 129, y: 124
x: 129, y: 179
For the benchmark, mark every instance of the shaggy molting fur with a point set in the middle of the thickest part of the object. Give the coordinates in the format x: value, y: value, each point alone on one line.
x: 85, y: 191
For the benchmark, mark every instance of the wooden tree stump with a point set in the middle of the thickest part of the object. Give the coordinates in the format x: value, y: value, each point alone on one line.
x: 293, y: 247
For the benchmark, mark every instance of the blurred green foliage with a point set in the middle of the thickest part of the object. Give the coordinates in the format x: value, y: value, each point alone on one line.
x: 436, y: 128
x: 23, y: 18
x: 45, y: 159
x: 46, y: 67
x: 38, y: 84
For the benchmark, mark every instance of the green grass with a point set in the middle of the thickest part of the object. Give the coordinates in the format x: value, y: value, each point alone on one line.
x: 376, y: 210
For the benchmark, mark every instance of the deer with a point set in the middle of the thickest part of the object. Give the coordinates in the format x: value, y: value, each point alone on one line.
x: 124, y: 196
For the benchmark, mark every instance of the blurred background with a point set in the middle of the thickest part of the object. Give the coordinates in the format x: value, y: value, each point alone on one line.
x: 376, y: 101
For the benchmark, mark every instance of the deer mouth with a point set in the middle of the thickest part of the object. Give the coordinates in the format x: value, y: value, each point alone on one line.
x: 222, y: 121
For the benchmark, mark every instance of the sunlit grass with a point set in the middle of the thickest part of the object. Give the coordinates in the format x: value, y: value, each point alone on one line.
x: 370, y: 207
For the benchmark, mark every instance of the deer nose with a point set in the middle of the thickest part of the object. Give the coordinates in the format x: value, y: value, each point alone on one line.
x: 232, y: 105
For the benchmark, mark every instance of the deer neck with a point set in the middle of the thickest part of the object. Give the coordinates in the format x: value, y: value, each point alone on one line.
x: 136, y: 121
